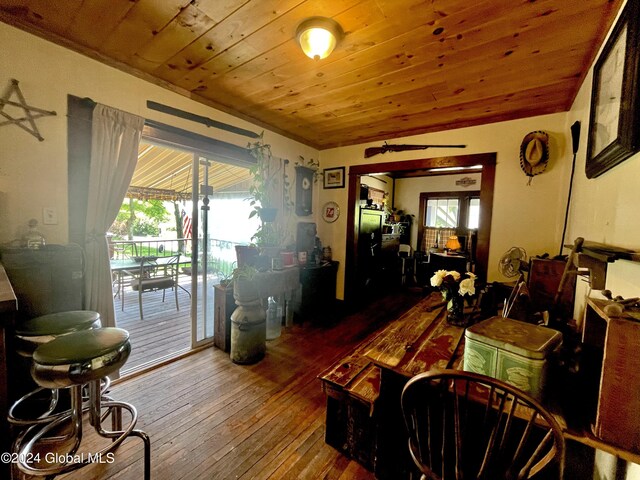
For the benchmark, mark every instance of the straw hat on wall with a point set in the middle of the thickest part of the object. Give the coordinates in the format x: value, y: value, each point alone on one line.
x: 534, y: 153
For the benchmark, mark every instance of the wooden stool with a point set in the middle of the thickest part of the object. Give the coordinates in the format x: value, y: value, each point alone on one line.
x: 72, y: 361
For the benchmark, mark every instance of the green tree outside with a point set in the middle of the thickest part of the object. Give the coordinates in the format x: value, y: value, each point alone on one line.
x: 139, y: 217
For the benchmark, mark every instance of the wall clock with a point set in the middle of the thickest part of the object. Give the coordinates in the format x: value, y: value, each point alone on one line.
x: 330, y: 212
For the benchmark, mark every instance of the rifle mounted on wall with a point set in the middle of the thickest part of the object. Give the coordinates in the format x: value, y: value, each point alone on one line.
x: 209, y: 122
x: 371, y: 151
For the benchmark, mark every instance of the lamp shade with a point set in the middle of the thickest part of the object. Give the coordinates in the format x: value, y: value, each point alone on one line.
x: 318, y: 36
x: 453, y: 243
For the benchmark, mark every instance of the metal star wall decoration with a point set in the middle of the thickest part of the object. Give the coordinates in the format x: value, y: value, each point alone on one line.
x: 30, y: 113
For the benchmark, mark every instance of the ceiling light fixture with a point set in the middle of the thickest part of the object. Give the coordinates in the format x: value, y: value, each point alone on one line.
x: 318, y: 36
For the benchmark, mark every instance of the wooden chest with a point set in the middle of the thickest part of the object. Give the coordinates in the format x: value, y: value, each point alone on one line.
x: 364, y: 419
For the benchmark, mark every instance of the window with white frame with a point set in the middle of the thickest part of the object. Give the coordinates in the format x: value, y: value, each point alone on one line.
x: 442, y: 212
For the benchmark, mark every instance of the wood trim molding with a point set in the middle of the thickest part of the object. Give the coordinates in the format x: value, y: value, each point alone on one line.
x: 488, y: 162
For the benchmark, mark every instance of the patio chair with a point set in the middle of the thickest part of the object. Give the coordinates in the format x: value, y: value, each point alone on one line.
x: 154, y: 275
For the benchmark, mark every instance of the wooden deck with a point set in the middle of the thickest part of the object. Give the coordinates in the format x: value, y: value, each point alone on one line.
x: 209, y: 418
x: 164, y: 331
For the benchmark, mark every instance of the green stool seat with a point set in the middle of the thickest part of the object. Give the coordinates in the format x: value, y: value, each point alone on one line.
x: 80, y: 357
x: 58, y: 323
x: 40, y: 330
x: 77, y: 361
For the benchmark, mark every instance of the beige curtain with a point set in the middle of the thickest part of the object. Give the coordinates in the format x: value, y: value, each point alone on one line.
x: 115, y: 136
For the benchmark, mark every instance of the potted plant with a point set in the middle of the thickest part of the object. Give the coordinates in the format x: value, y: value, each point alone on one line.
x: 265, y: 181
x: 244, y: 288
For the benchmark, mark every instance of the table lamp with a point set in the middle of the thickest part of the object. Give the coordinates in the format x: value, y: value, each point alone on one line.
x: 452, y: 244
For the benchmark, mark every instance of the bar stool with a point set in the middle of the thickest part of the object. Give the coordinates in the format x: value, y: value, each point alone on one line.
x: 37, y: 331
x: 72, y: 361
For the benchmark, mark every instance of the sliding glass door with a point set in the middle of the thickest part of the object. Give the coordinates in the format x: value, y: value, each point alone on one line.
x: 203, y: 272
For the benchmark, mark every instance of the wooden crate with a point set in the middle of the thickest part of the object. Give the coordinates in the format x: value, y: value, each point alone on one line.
x: 544, y: 279
x: 617, y: 418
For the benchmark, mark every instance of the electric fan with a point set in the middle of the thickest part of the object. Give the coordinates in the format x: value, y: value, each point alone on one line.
x: 513, y: 262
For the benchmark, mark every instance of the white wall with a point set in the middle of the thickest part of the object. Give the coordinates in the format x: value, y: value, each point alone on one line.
x: 529, y: 216
x: 33, y: 174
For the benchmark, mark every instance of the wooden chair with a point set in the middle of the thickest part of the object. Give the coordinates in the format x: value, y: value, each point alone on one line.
x: 152, y: 277
x: 465, y: 425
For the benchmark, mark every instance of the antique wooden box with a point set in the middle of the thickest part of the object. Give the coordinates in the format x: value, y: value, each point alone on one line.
x: 513, y: 351
x: 616, y: 339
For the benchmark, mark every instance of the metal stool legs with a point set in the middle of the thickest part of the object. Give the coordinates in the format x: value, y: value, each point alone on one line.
x: 72, y: 362
x: 61, y: 464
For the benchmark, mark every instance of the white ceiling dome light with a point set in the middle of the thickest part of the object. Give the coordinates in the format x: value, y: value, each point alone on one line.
x: 318, y: 36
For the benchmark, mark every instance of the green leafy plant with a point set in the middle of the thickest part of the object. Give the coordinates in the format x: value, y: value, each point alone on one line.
x: 265, y: 177
x: 269, y: 234
x: 264, y: 190
x: 245, y: 272
x: 311, y: 164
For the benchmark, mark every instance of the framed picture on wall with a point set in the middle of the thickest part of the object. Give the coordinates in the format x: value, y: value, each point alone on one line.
x: 614, y: 122
x: 333, y: 177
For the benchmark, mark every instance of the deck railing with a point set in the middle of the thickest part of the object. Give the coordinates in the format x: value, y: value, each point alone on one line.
x: 221, y: 254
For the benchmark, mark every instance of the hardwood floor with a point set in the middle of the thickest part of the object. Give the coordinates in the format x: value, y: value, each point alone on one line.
x: 209, y: 418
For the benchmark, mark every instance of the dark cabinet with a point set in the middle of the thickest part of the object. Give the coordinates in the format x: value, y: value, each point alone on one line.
x: 318, y: 296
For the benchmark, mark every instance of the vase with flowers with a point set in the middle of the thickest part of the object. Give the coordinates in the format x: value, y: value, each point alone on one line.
x: 454, y: 286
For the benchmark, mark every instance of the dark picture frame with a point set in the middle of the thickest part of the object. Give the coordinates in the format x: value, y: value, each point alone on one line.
x: 333, y: 177
x: 614, y: 120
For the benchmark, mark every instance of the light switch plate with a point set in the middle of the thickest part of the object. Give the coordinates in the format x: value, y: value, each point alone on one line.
x: 49, y: 216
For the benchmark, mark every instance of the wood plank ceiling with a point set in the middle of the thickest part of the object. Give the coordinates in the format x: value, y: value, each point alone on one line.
x: 403, y: 67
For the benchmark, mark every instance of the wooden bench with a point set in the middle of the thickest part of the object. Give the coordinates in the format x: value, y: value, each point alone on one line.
x: 363, y: 400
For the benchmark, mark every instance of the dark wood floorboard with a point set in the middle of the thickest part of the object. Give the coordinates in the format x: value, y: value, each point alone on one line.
x: 209, y: 418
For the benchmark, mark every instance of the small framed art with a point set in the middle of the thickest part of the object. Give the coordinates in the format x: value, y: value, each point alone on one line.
x: 333, y: 177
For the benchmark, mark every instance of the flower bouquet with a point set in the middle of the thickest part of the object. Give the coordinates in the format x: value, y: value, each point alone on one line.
x: 454, y: 287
